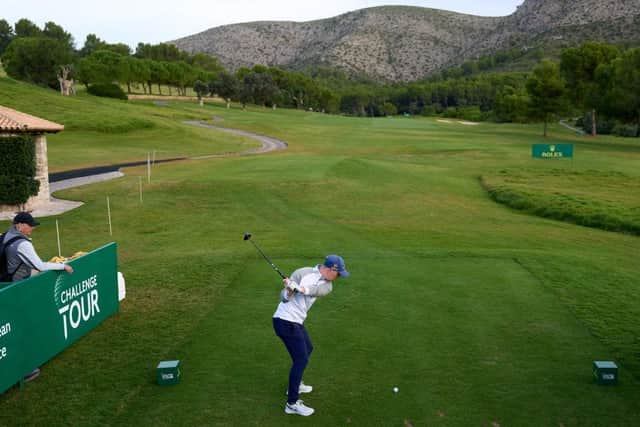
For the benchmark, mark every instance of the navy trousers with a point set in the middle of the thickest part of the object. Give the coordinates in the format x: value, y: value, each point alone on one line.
x: 295, y: 338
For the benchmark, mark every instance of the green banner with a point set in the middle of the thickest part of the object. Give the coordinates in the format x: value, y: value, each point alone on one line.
x: 43, y: 315
x: 552, y: 151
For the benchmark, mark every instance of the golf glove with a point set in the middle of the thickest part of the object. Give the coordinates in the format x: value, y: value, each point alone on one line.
x: 293, y: 286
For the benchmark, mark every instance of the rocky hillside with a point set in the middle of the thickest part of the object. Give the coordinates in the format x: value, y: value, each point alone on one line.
x: 407, y: 43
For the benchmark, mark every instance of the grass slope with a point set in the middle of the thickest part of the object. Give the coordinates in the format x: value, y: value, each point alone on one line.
x: 101, y: 131
x: 606, y: 200
x: 480, y: 314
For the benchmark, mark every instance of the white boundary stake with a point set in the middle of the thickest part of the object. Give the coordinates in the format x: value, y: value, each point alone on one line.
x: 149, y: 167
x: 109, y: 215
x: 58, y: 236
x: 140, y: 186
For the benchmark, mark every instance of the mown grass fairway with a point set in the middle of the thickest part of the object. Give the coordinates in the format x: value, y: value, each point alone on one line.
x: 480, y: 314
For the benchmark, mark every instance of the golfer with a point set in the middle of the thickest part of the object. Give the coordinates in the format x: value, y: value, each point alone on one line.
x: 299, y: 293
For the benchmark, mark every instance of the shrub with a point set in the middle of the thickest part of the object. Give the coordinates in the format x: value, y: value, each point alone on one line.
x: 472, y: 114
x: 429, y: 110
x: 628, y: 130
x: 107, y: 90
x: 389, y: 109
x: 604, y: 125
x: 17, y: 183
x: 464, y: 113
x: 450, y: 113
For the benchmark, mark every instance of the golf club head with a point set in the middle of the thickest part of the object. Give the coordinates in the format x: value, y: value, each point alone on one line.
x: 247, y: 236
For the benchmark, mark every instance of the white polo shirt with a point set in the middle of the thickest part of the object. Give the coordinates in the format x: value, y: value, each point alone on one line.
x: 296, y: 308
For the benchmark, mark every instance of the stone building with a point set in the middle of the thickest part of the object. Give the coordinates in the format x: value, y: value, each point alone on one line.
x: 13, y: 122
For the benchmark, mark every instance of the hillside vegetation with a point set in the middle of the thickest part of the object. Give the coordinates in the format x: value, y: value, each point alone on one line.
x: 594, y: 76
x: 402, y: 43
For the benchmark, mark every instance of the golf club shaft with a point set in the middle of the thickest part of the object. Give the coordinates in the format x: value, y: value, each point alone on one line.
x: 268, y: 260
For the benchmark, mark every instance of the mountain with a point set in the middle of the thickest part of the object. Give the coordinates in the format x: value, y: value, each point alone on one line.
x: 402, y: 43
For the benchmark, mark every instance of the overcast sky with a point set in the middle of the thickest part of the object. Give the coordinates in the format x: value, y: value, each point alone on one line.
x: 155, y: 21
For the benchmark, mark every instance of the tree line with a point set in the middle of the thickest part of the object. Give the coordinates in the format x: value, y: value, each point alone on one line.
x: 597, y: 82
x: 37, y: 55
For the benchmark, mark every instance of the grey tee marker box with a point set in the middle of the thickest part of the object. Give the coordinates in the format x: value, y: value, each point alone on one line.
x: 605, y: 372
x: 168, y: 372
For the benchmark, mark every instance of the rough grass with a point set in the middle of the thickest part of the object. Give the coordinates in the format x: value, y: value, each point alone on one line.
x: 606, y: 200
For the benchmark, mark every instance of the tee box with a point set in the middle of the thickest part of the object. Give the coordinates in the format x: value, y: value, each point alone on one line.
x: 605, y: 372
x: 168, y: 372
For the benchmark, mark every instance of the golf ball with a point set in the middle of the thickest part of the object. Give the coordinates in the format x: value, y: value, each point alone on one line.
x: 395, y: 389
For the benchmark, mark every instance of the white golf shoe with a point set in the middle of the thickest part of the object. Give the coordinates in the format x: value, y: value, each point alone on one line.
x: 303, y: 388
x: 298, y: 408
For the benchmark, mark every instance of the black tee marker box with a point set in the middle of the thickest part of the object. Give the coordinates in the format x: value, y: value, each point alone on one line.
x: 168, y: 372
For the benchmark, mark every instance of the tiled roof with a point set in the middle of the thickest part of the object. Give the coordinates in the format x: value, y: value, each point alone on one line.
x: 12, y: 121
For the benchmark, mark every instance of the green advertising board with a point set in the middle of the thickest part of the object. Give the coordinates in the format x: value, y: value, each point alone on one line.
x: 552, y: 151
x: 43, y: 315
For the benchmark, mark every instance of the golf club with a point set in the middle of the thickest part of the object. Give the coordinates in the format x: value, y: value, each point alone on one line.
x: 247, y: 236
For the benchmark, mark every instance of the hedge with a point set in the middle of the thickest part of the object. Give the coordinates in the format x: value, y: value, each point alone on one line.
x: 17, y: 157
x: 107, y: 90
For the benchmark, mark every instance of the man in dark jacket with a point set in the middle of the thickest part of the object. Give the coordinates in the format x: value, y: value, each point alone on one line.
x: 22, y: 259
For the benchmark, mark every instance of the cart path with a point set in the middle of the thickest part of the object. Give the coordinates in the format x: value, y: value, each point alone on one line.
x: 268, y: 143
x: 573, y: 128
